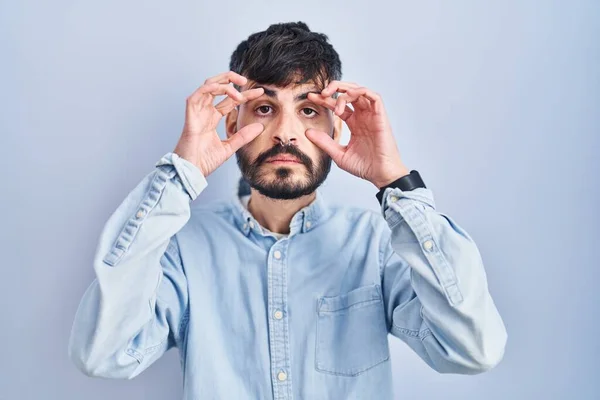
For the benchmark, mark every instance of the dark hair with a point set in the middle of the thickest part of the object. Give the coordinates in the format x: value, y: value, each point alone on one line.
x: 285, y: 52
x: 281, y: 54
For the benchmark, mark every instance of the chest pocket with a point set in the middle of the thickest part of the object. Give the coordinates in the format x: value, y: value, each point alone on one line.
x: 351, y: 332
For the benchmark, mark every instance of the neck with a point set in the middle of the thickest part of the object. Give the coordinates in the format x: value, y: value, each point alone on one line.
x: 276, y: 215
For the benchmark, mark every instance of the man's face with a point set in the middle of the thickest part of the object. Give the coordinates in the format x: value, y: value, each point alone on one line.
x: 282, y: 163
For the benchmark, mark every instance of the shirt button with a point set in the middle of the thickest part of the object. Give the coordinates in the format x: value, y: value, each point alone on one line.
x: 140, y: 214
x: 308, y: 224
x: 251, y: 225
x: 282, y: 376
x: 277, y: 254
x: 393, y: 199
x: 278, y: 314
x: 428, y: 245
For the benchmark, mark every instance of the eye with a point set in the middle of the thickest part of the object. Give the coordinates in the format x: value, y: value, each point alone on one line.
x: 263, y: 110
x: 309, y: 112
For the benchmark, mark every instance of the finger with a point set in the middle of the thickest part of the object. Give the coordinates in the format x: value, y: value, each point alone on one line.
x: 206, y: 94
x: 228, y: 77
x: 358, y: 97
x: 222, y: 89
x: 347, y: 113
x: 374, y: 98
x: 242, y: 137
x: 369, y: 94
x: 337, y: 86
x: 341, y: 108
x: 340, y: 104
x: 330, y: 103
x: 321, y: 100
x: 228, y: 104
x: 327, y: 144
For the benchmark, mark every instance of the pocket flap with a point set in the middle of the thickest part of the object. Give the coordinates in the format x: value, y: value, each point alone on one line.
x: 356, y: 296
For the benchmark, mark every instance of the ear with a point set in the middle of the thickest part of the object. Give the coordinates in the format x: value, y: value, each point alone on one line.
x: 231, y: 122
x: 337, y: 128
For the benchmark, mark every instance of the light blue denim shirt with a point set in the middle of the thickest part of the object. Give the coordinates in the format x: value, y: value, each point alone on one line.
x: 305, y: 316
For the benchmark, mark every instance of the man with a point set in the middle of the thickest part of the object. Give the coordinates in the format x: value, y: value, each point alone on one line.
x: 278, y: 294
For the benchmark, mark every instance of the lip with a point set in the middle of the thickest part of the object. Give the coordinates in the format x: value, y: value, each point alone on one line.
x: 284, y: 160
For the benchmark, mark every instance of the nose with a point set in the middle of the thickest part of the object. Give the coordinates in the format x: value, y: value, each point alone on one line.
x: 281, y: 139
x: 287, y: 129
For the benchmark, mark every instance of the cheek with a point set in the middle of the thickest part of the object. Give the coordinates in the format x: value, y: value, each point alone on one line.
x: 241, y: 122
x: 250, y: 151
x: 323, y: 123
x: 246, y: 116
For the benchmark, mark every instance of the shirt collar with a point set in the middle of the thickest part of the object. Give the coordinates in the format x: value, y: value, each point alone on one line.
x: 303, y: 221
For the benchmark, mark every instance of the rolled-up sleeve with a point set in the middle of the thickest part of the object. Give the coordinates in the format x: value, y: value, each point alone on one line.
x: 435, y: 287
x: 135, y: 308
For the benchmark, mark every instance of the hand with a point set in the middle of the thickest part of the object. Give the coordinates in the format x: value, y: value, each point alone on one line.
x: 200, y: 143
x: 371, y: 153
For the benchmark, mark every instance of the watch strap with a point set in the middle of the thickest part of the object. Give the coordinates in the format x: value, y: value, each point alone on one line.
x: 405, y: 183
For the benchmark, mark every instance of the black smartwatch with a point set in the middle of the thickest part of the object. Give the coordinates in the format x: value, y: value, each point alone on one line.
x: 407, y: 182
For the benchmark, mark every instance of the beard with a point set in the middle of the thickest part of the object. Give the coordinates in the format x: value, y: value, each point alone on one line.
x: 283, y: 186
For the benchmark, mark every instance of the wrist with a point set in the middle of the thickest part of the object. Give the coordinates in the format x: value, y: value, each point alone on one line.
x: 183, y: 152
x: 405, y: 183
x: 391, y: 177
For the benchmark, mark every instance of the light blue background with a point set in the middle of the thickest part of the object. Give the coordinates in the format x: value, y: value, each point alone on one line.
x: 496, y: 104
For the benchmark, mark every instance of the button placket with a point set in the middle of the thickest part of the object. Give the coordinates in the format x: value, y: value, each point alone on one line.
x: 282, y: 376
x: 428, y: 245
x: 278, y: 328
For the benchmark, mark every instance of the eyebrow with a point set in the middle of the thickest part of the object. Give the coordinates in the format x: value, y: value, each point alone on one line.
x: 273, y: 93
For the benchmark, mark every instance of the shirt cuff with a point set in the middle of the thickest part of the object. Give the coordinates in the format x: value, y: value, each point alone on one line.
x: 192, y: 179
x: 393, y: 195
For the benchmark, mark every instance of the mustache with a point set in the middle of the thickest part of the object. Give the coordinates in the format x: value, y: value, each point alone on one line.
x: 288, y: 149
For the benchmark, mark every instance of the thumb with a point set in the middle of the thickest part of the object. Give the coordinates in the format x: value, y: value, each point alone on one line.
x: 243, y: 136
x: 326, y: 143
